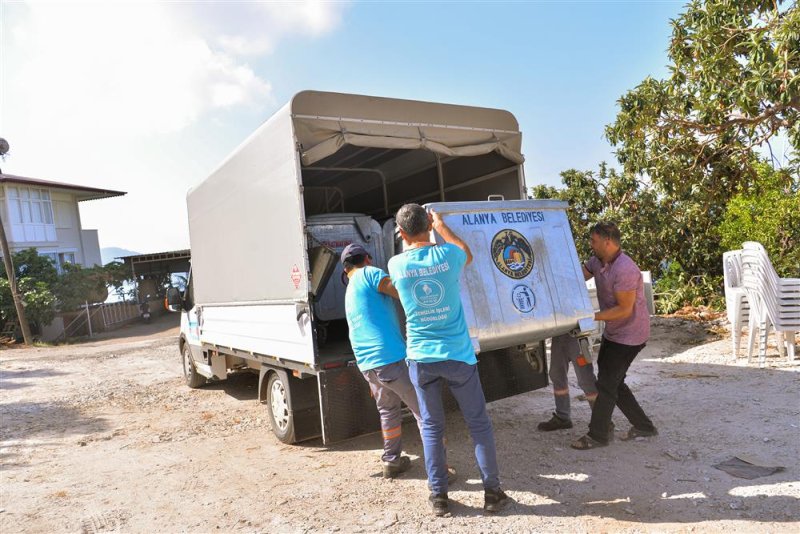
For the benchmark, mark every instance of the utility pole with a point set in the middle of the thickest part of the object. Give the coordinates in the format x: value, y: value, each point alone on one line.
x: 12, y: 282
x: 12, y: 276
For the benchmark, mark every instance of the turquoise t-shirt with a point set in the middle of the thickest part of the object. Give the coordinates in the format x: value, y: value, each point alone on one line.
x: 372, y: 319
x: 427, y: 280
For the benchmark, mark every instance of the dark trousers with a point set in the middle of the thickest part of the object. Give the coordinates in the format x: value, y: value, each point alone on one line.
x: 612, y: 365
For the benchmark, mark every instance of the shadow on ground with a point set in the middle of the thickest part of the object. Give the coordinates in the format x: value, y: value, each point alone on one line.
x: 16, y: 379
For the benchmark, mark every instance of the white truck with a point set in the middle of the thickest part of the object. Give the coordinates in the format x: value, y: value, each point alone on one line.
x: 266, y: 292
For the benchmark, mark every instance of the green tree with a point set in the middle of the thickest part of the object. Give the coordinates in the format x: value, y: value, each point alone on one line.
x: 78, y: 285
x: 118, y: 275
x: 734, y: 86
x: 45, y: 291
x: 29, y: 264
x: 628, y: 201
x: 769, y: 213
x: 38, y: 299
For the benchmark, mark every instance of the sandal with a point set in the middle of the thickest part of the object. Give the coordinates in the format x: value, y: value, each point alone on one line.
x: 584, y: 443
x: 634, y: 433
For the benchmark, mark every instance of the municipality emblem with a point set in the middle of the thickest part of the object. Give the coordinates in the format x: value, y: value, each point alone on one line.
x: 427, y: 293
x: 512, y: 254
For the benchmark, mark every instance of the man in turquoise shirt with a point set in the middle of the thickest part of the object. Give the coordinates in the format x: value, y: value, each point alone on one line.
x: 440, y: 350
x: 379, y: 349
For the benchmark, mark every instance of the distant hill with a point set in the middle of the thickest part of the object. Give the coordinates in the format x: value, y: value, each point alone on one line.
x: 109, y: 254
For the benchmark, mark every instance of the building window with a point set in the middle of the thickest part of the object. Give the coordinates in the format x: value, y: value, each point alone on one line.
x: 53, y: 257
x: 67, y: 257
x: 59, y: 259
x: 30, y: 205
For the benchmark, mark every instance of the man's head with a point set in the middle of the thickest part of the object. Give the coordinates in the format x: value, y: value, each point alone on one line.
x: 604, y: 240
x: 354, y: 256
x: 414, y: 223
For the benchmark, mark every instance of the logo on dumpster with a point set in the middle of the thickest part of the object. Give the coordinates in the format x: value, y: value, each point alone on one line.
x: 523, y: 299
x: 512, y: 254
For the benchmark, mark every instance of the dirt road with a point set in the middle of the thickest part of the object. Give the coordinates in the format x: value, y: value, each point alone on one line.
x: 104, y: 437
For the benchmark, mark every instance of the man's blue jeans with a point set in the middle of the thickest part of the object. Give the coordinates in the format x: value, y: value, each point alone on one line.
x: 465, y: 385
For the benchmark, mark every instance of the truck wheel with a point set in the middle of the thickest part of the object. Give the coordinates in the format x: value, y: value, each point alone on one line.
x: 190, y: 374
x: 280, y: 416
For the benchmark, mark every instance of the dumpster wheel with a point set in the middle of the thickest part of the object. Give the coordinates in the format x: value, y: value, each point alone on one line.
x: 535, y: 357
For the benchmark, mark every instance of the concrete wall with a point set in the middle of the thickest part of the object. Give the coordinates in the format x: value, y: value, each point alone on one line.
x: 91, y: 248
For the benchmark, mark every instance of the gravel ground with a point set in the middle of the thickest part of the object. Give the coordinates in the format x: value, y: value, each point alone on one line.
x: 105, y: 437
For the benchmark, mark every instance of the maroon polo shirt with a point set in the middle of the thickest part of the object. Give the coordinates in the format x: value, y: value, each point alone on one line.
x: 621, y: 274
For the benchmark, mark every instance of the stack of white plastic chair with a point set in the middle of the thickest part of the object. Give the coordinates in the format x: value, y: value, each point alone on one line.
x: 774, y: 302
x: 736, y: 303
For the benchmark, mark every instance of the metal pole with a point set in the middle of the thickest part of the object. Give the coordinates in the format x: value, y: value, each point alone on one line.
x: 88, y: 317
x: 12, y: 282
x: 440, y: 173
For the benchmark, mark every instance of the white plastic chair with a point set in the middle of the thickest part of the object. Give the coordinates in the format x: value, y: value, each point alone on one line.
x: 774, y: 301
x: 736, y: 304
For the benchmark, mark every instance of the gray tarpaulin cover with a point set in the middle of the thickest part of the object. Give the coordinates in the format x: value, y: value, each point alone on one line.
x: 375, y: 122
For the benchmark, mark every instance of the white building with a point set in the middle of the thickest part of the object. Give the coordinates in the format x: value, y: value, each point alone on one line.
x: 44, y: 215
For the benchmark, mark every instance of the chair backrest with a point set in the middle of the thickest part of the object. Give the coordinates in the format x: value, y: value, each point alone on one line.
x: 753, y: 283
x: 736, y: 302
x: 761, y: 285
x: 760, y: 252
x: 732, y: 268
x: 649, y: 299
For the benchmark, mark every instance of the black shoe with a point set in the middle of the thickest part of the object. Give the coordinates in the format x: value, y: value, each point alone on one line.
x: 392, y: 469
x: 495, y: 500
x: 555, y: 423
x: 611, y: 432
x: 439, y: 504
x: 634, y: 433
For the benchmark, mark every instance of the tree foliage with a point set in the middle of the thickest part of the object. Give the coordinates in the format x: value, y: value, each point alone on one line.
x: 770, y: 214
x: 734, y: 86
x: 628, y: 201
x: 44, y: 291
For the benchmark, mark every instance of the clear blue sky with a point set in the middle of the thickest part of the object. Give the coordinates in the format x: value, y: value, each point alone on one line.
x: 148, y: 98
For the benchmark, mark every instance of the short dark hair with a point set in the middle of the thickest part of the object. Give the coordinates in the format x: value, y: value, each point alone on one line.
x: 607, y: 230
x: 412, y: 219
x: 354, y: 261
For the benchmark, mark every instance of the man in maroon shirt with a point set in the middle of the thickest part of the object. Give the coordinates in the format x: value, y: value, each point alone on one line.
x: 620, y: 291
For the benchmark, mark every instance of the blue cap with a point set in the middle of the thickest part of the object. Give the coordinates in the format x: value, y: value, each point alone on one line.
x: 351, y: 250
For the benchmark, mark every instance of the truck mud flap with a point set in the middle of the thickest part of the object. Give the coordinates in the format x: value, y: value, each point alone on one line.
x: 508, y: 372
x: 348, y: 409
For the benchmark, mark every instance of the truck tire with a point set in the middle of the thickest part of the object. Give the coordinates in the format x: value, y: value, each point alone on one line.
x: 190, y: 374
x: 280, y: 413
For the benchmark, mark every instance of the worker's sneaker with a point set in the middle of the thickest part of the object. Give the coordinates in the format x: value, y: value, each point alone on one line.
x: 495, y: 500
x: 439, y: 504
x: 392, y: 469
x: 555, y: 423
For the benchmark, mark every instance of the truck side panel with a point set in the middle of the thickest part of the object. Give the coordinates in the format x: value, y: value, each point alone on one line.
x: 282, y: 330
x: 246, y: 223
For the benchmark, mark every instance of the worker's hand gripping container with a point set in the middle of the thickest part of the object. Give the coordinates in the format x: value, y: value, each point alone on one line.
x: 525, y: 283
x: 336, y: 231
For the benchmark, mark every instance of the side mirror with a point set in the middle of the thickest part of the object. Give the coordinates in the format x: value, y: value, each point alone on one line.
x: 174, y: 299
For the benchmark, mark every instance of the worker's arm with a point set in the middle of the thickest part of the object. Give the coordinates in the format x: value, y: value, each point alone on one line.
x: 447, y: 234
x: 623, y: 309
x: 587, y: 274
x: 387, y: 287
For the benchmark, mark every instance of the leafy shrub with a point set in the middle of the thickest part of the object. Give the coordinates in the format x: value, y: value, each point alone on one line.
x: 768, y: 212
x: 676, y: 289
